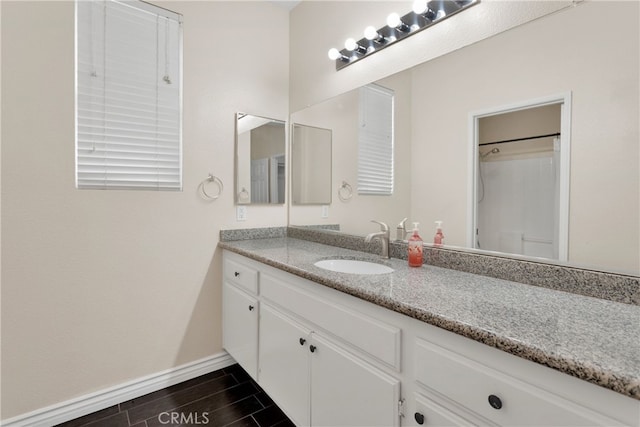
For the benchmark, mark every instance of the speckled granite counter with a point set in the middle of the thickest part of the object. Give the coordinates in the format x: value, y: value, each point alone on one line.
x: 592, y: 339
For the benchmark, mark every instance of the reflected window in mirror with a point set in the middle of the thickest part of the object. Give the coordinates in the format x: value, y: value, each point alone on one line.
x: 260, y: 160
x: 310, y: 165
x: 375, y: 140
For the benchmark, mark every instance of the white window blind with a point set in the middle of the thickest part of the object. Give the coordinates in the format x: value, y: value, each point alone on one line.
x: 375, y: 141
x: 128, y: 102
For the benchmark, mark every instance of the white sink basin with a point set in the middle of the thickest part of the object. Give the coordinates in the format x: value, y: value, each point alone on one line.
x: 353, y: 266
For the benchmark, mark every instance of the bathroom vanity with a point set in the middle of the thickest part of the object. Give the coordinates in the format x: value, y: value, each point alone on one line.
x: 423, y: 346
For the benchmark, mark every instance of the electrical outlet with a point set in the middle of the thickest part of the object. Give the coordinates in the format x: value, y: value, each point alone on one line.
x: 241, y: 213
x: 325, y: 211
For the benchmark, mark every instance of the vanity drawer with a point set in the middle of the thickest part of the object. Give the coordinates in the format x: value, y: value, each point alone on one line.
x: 241, y: 274
x: 378, y: 339
x: 428, y: 413
x: 494, y: 395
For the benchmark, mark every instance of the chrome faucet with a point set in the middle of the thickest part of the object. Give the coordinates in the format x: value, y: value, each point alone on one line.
x: 383, y: 236
x: 401, y: 230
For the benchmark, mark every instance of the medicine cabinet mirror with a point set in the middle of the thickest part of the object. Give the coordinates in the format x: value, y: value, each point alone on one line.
x: 310, y: 165
x: 260, y: 160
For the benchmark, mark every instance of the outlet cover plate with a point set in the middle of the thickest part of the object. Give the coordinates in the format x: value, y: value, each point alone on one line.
x: 241, y: 213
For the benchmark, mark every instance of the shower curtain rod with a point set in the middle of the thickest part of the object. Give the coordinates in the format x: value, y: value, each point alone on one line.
x: 520, y: 139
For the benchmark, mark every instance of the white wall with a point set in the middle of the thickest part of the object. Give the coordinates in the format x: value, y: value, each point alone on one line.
x: 102, y: 287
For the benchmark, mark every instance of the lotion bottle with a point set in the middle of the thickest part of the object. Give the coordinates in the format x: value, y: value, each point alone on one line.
x: 438, y: 239
x: 415, y: 248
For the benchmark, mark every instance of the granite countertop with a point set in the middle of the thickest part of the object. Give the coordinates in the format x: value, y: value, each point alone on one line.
x: 592, y: 339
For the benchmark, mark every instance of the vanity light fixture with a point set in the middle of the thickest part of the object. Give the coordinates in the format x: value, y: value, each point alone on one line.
x: 423, y: 15
x: 421, y: 7
x: 371, y: 34
x: 334, y: 54
x: 394, y: 21
x: 352, y: 46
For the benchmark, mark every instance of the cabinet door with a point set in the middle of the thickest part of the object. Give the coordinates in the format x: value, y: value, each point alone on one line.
x: 240, y: 327
x: 284, y: 363
x: 346, y: 391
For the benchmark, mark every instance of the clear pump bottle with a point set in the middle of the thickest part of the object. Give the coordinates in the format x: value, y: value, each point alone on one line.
x: 415, y: 248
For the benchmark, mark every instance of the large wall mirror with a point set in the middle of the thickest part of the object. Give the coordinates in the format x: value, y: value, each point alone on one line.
x: 439, y: 163
x: 260, y: 160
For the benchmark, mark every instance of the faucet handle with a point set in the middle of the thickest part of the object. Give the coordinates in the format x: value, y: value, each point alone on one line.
x: 401, y: 230
x: 383, y: 226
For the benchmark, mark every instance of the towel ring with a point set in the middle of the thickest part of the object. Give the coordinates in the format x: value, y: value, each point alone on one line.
x: 203, y: 191
x: 345, y: 192
x: 243, y: 195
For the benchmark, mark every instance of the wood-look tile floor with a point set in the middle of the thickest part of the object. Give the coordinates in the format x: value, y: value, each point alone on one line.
x: 228, y: 397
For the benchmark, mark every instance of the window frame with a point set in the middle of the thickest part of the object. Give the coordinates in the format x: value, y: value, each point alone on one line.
x: 175, y: 146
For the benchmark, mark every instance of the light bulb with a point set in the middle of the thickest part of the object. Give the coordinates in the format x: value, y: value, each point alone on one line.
x: 350, y: 44
x: 419, y: 7
x: 334, y: 54
x: 393, y: 20
x: 370, y: 33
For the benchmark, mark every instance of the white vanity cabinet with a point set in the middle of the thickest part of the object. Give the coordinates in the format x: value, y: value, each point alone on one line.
x: 331, y: 359
x: 284, y: 363
x: 490, y: 396
x: 316, y: 381
x: 347, y: 391
x: 314, y: 376
x: 240, y: 313
x: 454, y: 381
x: 322, y: 362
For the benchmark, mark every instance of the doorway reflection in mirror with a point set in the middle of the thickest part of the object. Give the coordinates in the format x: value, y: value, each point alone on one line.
x: 260, y: 160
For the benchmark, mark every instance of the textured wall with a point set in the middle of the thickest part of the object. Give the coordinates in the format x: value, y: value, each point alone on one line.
x: 103, y: 287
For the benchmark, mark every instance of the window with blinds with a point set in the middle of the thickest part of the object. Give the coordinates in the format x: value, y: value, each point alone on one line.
x: 128, y: 96
x: 375, y: 141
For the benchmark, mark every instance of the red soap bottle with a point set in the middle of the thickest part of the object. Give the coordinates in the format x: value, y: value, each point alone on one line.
x: 415, y: 248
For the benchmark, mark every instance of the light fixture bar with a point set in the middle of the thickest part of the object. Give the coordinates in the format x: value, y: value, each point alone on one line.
x: 423, y: 16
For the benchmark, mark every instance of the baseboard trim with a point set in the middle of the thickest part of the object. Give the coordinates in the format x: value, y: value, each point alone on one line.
x: 87, y: 404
